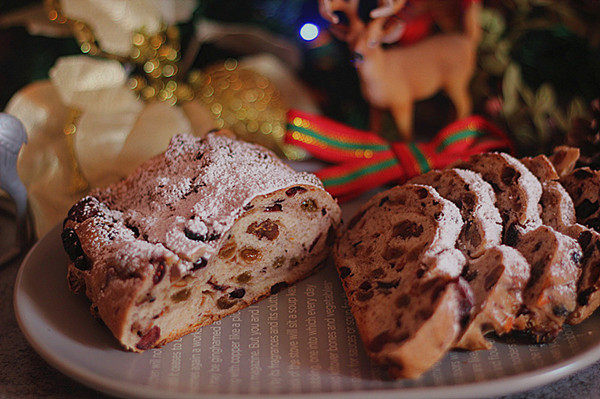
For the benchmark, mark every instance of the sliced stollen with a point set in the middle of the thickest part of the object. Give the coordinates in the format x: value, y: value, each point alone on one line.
x: 400, y: 272
x: 557, y: 209
x: 475, y: 198
x: 558, y: 212
x: 541, y: 167
x: 564, y: 159
x: 194, y: 234
x: 551, y: 292
x: 583, y: 185
x: 405, y: 224
x: 497, y: 279
x: 588, y: 288
x: 433, y: 327
x: 517, y: 190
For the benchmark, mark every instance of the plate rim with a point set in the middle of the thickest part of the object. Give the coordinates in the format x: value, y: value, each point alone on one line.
x: 487, y: 388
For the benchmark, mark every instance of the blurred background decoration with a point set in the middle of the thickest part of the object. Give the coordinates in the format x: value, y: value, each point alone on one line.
x: 104, y: 84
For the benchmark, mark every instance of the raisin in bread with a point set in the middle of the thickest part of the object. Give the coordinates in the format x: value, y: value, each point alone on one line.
x: 583, y: 185
x: 400, y: 272
x: 588, y: 288
x: 564, y: 159
x: 497, y: 278
x: 551, y: 292
x: 475, y: 198
x: 199, y: 232
x: 518, y: 192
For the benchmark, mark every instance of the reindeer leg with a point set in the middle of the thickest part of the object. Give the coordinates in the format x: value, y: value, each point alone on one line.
x: 403, y: 115
x: 461, y: 98
x: 375, y: 116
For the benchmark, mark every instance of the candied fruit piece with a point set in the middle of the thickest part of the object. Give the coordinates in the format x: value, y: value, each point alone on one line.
x: 244, y: 277
x: 266, y: 229
x: 228, y: 250
x: 225, y: 302
x: 181, y: 296
x: 250, y: 254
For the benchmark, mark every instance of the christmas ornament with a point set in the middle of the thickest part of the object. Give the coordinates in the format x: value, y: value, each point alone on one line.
x: 394, y: 78
x: 363, y: 160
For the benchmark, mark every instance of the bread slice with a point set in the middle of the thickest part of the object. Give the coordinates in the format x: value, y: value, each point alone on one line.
x: 497, y: 278
x: 541, y: 167
x: 588, y: 288
x: 517, y: 190
x: 199, y: 232
x: 557, y: 209
x: 399, y: 226
x: 400, y: 271
x: 558, y: 212
x: 424, y: 331
x: 583, y: 185
x: 475, y: 198
x: 564, y: 159
x: 551, y: 292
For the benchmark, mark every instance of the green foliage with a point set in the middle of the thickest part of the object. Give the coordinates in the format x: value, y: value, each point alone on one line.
x: 541, y: 59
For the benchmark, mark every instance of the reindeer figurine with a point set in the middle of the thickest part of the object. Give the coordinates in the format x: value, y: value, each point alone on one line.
x: 394, y: 78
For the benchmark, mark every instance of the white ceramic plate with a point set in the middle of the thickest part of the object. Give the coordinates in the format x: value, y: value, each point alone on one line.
x: 302, y: 341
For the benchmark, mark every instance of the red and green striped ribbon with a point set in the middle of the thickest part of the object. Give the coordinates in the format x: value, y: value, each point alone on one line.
x: 362, y: 160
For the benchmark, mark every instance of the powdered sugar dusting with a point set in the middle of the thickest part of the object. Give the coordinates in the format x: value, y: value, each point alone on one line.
x: 191, y: 195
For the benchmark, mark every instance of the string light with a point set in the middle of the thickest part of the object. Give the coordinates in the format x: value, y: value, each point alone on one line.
x: 309, y: 32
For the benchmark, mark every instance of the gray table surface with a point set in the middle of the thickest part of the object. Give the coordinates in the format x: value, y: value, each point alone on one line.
x: 23, y: 373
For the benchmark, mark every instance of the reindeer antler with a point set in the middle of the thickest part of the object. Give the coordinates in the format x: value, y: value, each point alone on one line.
x: 389, y: 8
x: 327, y: 8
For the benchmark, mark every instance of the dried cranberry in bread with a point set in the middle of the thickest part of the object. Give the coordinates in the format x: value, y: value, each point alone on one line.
x: 475, y: 198
x: 397, y: 249
x: 551, y: 292
x: 517, y: 191
x: 583, y: 185
x: 497, y: 279
x: 199, y: 232
x: 588, y: 288
x: 564, y: 159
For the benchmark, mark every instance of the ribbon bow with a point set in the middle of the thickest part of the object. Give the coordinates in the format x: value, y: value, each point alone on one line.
x: 363, y: 160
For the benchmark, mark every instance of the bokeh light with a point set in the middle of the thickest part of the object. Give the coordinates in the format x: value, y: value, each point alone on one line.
x: 309, y: 32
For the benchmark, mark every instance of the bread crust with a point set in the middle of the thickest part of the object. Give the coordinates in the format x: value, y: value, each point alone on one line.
x: 181, y: 243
